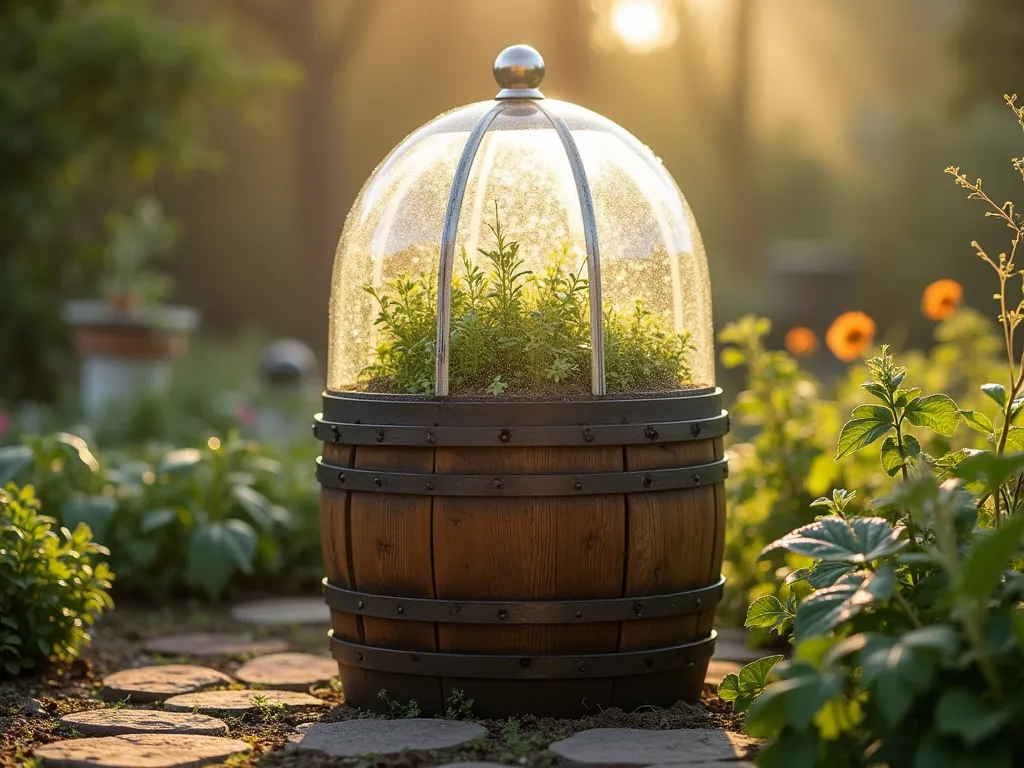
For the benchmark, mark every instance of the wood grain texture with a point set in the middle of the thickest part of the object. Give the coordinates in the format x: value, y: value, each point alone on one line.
x: 391, y: 556
x: 671, y: 543
x: 529, y: 549
x: 706, y: 619
x: 335, y: 544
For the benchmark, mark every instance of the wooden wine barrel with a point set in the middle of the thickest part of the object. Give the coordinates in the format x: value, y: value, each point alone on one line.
x: 550, y: 558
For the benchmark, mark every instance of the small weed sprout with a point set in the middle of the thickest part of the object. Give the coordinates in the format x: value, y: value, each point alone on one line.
x: 398, y: 710
x: 457, y: 706
x: 124, y: 703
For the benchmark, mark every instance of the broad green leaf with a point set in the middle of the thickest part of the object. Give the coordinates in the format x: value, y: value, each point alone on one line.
x: 94, y: 511
x: 824, y: 610
x: 904, y: 396
x: 854, y: 540
x: 179, y: 462
x: 13, y: 459
x: 875, y: 412
x: 826, y: 573
x: 768, y: 612
x: 1014, y: 440
x: 935, y: 412
x: 754, y: 676
x: 986, y: 563
x: 838, y: 715
x: 790, y: 750
x: 978, y: 421
x: 894, y: 458
x: 944, y: 465
x: 152, y: 519
x: 877, y: 390
x: 255, y: 503
x: 997, y: 392
x: 961, y: 712
x: 798, y: 575
x: 989, y: 469
x: 216, y: 550
x: 860, y: 433
x: 898, y: 669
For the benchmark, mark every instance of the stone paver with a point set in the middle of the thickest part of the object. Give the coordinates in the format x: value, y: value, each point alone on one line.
x: 208, y: 702
x: 288, y: 671
x: 148, y: 684
x: 139, y: 750
x: 386, y: 737
x: 637, y: 748
x: 116, y: 722
x: 717, y: 670
x: 283, y: 611
x: 213, y: 644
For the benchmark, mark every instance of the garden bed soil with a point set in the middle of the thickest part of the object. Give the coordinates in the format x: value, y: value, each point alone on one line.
x: 31, y: 706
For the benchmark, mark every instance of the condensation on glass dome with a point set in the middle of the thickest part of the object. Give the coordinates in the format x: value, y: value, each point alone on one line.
x: 521, y: 328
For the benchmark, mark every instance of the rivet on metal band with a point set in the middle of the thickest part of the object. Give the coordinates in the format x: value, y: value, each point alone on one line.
x: 524, y: 667
x: 620, y: 664
x: 448, y: 611
x: 593, y: 483
x: 595, y: 434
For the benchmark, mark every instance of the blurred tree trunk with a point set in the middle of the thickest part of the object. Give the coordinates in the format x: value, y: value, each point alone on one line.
x: 307, y: 35
x: 728, y: 119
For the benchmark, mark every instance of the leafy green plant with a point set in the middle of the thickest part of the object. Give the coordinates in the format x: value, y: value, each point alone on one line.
x: 52, y: 586
x: 905, y: 614
x: 518, y: 333
x: 130, y: 280
x: 183, y: 519
x: 409, y: 709
x: 457, y: 706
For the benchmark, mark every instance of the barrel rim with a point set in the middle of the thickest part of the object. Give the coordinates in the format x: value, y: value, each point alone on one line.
x: 411, y: 410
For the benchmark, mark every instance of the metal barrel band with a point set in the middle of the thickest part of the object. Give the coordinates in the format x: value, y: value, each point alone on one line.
x: 411, y: 410
x: 522, y: 612
x: 524, y: 667
x: 596, y: 483
x: 650, y: 433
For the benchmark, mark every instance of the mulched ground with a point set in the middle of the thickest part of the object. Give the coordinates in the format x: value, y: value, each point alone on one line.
x: 30, y: 707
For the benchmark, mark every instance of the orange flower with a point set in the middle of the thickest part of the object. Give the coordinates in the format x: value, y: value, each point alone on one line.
x: 851, y: 333
x: 941, y: 299
x: 801, y: 341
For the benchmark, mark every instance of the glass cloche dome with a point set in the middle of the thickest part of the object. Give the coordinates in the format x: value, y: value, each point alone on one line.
x: 544, y: 247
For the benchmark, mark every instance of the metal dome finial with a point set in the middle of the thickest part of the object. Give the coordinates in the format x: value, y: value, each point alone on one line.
x: 519, y: 70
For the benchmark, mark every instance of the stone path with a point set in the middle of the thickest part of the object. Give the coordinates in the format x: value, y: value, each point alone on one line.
x: 208, y: 702
x: 117, y: 722
x: 139, y: 751
x: 213, y: 644
x: 183, y: 734
x: 288, y: 671
x: 145, y: 685
x: 386, y: 737
x: 637, y: 748
x: 283, y: 611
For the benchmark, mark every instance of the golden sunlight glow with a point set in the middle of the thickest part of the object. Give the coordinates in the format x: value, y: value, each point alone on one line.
x: 642, y: 26
x: 213, y: 443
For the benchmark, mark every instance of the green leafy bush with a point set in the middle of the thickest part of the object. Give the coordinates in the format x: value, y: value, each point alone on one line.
x: 518, y: 333
x: 185, y: 519
x: 904, y: 605
x: 52, y: 586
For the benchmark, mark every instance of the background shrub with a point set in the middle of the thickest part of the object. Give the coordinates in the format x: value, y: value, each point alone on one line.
x: 52, y: 586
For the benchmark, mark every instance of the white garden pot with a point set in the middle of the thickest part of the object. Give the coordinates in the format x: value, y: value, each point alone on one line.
x: 126, y: 353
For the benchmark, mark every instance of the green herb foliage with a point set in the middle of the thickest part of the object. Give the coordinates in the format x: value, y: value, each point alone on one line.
x: 905, y: 610
x: 52, y: 585
x: 182, y: 520
x: 516, y: 332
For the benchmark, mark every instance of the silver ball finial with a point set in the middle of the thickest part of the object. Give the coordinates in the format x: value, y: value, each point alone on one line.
x: 519, y: 70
